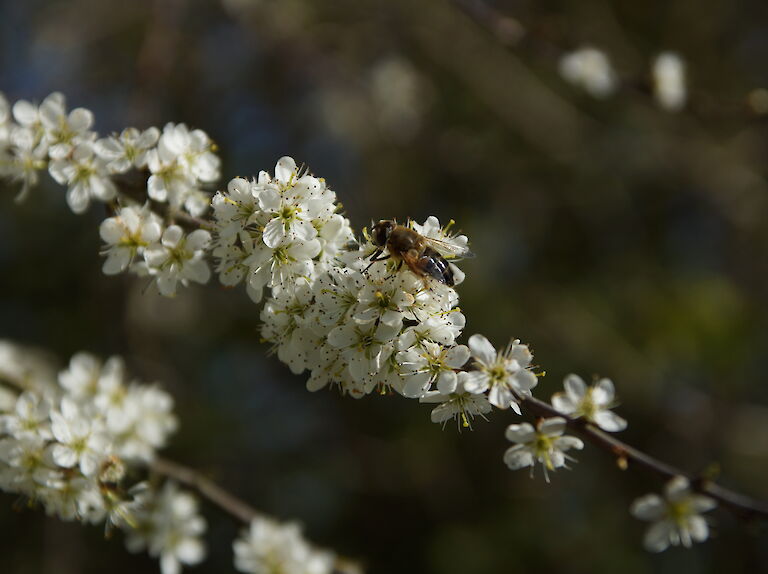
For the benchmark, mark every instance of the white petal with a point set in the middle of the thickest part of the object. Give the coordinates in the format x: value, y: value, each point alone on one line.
x: 80, y: 119
x: 552, y: 426
x: 342, y: 336
x: 525, y: 380
x: 190, y: 551
x: 575, y: 387
x: 609, y: 421
x: 677, y: 489
x: 64, y: 455
x: 475, y: 381
x: 198, y: 240
x: 169, y: 564
x: 701, y: 503
x: 564, y: 443
x: 457, y: 356
x: 446, y: 382
x: 563, y: 403
x: 285, y: 169
x: 521, y: 433
x: 501, y: 397
x: 172, y: 236
x: 517, y: 457
x: 274, y: 233
x: 482, y: 350
x: 197, y: 271
x: 603, y: 392
x: 657, y: 536
x: 416, y: 385
x: 116, y: 262
x: 648, y: 507
x: 78, y: 198
x: 698, y: 528
x: 24, y: 112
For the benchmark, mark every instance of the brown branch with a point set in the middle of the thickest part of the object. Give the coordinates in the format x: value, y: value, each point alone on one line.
x: 229, y: 503
x: 741, y: 505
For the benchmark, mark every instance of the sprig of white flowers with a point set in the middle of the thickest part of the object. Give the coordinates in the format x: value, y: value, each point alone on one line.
x: 75, y: 443
x: 68, y: 444
x: 359, y: 325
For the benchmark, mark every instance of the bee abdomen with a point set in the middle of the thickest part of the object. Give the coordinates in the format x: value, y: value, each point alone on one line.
x: 436, y: 266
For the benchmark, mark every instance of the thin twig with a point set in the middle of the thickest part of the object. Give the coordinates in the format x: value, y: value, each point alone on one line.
x: 209, y: 489
x: 229, y: 503
x: 741, y: 505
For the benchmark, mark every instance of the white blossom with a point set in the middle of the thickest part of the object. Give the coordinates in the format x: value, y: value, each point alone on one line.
x: 127, y: 234
x: 285, y: 324
x: 182, y: 161
x: 591, y: 70
x: 454, y: 401
x: 545, y: 444
x: 385, y: 301
x: 170, y: 527
x: 668, y: 75
x: 280, y: 268
x: 268, y: 547
x: 86, y: 176
x: 128, y: 149
x: 506, y: 375
x: 178, y: 258
x: 365, y: 349
x: 64, y: 132
x: 80, y: 440
x: 23, y: 156
x: 676, y: 516
x: 593, y: 403
x: 30, y: 417
x: 431, y: 364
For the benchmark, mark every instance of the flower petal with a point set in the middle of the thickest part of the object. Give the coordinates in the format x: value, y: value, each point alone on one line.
x: 575, y: 387
x: 521, y: 433
x: 482, y: 350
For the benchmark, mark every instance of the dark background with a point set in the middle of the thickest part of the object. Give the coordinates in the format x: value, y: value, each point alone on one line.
x: 615, y: 238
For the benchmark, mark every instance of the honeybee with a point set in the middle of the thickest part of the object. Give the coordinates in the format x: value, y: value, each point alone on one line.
x: 424, y: 256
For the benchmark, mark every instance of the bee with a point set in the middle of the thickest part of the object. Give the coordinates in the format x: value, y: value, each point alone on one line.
x: 424, y: 256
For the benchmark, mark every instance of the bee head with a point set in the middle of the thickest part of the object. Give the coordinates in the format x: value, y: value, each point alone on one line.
x: 381, y: 231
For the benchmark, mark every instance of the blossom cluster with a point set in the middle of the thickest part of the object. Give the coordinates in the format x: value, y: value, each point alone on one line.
x: 359, y: 314
x: 352, y: 322
x: 70, y: 443
x: 176, y: 163
x: 268, y: 546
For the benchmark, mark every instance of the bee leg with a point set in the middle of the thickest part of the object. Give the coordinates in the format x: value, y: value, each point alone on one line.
x: 375, y: 257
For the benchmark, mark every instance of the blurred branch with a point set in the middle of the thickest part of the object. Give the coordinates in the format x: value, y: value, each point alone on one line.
x: 229, y: 503
x: 741, y: 505
x: 499, y: 79
x: 207, y: 488
x: 498, y: 76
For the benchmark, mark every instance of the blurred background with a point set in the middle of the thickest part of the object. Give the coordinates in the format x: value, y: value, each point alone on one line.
x: 616, y: 238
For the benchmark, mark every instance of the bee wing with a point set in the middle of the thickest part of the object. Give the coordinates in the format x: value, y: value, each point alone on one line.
x: 449, y: 250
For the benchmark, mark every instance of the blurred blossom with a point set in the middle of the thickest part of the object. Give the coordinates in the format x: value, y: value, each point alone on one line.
x: 669, y: 81
x: 591, y: 70
x: 268, y: 547
x: 676, y: 517
x: 593, y: 403
x: 398, y: 98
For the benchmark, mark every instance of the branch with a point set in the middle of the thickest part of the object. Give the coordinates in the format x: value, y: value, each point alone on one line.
x: 742, y: 506
x: 229, y: 503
